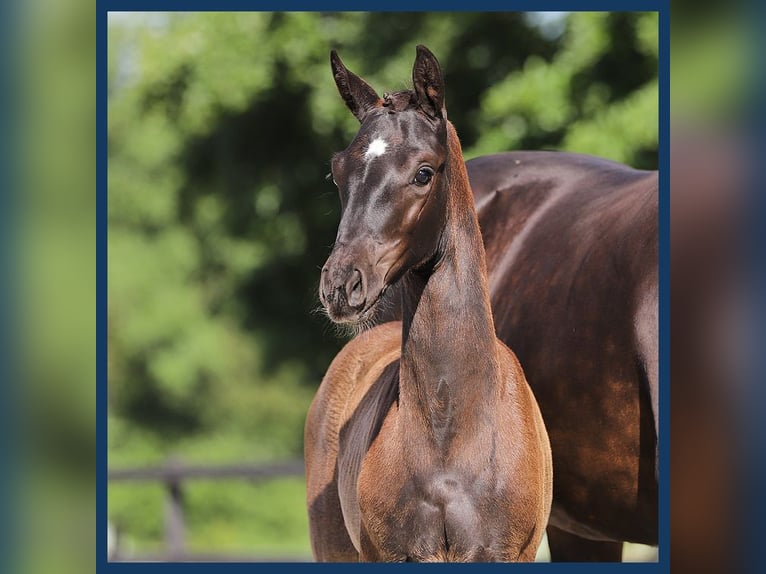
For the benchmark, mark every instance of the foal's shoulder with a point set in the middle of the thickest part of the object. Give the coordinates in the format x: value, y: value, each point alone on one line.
x: 356, y: 368
x: 367, y: 353
x: 371, y: 343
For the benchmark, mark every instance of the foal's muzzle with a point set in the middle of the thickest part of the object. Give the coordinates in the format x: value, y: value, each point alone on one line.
x: 343, y: 292
x: 351, y: 284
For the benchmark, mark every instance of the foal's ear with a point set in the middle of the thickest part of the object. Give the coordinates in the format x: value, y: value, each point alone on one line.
x: 428, y: 82
x: 357, y: 94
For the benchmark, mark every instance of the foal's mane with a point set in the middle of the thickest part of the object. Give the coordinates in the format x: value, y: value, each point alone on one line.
x: 399, y: 101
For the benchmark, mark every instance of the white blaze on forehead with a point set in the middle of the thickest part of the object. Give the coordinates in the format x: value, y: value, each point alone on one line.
x: 377, y: 147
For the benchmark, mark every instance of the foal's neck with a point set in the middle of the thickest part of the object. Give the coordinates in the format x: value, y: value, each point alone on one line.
x: 448, y: 345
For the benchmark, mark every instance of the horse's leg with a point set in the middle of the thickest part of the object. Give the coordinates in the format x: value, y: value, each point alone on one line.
x: 566, y: 547
x: 329, y: 539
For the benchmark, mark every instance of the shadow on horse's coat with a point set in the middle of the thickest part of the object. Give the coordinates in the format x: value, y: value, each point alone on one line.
x: 424, y: 441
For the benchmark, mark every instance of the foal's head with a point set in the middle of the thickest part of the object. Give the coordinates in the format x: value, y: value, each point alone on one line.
x: 392, y: 185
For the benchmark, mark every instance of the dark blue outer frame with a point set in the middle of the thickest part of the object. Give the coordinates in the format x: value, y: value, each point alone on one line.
x: 753, y: 426
x: 104, y: 6
x: 9, y: 320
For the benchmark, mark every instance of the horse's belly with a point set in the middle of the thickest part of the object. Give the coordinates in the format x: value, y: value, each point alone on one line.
x: 633, y: 528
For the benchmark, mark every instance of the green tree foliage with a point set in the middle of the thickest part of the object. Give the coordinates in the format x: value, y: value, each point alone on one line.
x: 220, y: 131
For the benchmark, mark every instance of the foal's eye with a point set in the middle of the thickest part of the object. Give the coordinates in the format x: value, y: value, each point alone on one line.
x: 423, y: 177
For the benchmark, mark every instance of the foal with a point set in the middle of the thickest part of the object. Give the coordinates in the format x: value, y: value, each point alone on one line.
x: 424, y: 442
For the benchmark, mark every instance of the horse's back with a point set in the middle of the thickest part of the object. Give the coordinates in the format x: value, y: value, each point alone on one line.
x: 545, y: 204
x: 505, y: 171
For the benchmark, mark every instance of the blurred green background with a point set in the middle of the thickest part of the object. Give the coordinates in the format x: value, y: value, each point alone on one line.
x: 220, y: 131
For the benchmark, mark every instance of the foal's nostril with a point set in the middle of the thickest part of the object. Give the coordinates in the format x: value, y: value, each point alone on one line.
x: 355, y: 292
x: 326, y: 290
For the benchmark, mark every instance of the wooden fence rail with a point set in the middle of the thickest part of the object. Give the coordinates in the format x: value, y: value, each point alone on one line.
x: 173, y: 473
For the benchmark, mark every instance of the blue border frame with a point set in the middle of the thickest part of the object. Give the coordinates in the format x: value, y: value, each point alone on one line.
x: 105, y: 6
x: 390, y: 6
x: 10, y: 102
x: 754, y: 450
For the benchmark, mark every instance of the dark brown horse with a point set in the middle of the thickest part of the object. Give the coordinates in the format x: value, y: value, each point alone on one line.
x: 424, y: 441
x: 571, y: 245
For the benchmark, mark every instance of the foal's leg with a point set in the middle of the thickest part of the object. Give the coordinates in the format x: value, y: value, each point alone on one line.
x: 329, y: 539
x: 566, y: 547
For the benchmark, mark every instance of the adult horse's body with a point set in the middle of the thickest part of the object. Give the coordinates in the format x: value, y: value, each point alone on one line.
x: 571, y: 244
x: 424, y: 441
